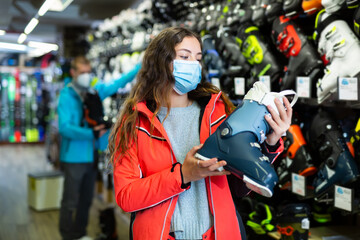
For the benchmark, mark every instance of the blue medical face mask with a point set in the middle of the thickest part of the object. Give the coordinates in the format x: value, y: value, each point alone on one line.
x: 187, y: 75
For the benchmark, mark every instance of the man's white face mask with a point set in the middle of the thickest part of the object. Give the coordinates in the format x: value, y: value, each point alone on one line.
x: 84, y: 80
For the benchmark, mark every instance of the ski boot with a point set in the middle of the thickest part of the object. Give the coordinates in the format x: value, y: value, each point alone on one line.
x: 258, y: 53
x: 107, y: 223
x: 297, y: 160
x: 273, y: 10
x: 258, y: 16
x: 94, y: 111
x: 261, y: 220
x: 211, y: 58
x: 355, y: 141
x: 237, y: 141
x: 338, y: 166
x: 332, y: 6
x: 341, y: 48
x: 229, y: 50
x: 292, y: 7
x: 293, y: 222
x: 311, y: 7
x: 303, y: 58
x: 356, y: 18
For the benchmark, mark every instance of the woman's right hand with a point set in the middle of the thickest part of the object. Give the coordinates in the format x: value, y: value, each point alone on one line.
x: 194, y: 169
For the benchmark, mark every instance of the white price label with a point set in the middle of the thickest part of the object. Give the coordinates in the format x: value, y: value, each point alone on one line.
x: 343, y: 198
x: 239, y: 83
x: 303, y: 87
x: 348, y: 88
x: 266, y: 80
x: 298, y: 184
x: 216, y: 82
x: 305, y: 223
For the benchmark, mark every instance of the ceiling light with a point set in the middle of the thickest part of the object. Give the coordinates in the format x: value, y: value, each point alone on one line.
x: 45, y: 7
x: 22, y: 38
x: 12, y: 46
x: 60, y: 5
x: 31, y: 25
x: 2, y: 32
x: 44, y: 46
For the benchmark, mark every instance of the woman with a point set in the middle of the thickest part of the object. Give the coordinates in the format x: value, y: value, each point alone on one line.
x: 165, y: 118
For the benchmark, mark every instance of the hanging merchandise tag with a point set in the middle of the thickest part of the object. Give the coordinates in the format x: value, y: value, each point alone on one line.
x: 216, y: 82
x: 305, y: 223
x: 298, y: 184
x: 343, y: 198
x: 239, y: 83
x: 348, y: 88
x: 303, y: 87
x: 266, y: 80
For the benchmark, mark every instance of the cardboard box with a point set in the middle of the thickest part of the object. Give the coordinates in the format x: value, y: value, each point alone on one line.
x: 45, y: 190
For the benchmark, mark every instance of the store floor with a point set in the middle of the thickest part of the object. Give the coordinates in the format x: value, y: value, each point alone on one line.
x: 17, y: 220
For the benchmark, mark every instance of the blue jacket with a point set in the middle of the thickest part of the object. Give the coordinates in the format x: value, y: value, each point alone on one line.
x: 77, y: 139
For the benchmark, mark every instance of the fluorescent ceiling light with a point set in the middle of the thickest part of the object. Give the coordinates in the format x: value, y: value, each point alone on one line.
x: 2, y: 32
x: 44, y: 46
x: 59, y: 5
x: 36, y: 52
x: 31, y: 25
x: 22, y: 38
x: 45, y: 7
x: 12, y: 46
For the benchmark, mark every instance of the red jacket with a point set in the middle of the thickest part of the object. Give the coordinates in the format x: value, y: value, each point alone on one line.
x: 147, y: 181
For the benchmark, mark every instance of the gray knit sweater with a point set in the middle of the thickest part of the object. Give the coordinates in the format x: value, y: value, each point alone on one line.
x: 192, y: 216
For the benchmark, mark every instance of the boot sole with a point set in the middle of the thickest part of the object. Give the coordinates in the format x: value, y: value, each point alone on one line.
x: 251, y: 184
x: 260, y: 189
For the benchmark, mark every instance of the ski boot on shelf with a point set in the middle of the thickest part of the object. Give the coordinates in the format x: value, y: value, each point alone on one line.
x: 211, y: 58
x: 338, y: 166
x: 293, y: 221
x: 355, y: 141
x: 297, y: 160
x: 303, y: 58
x: 262, y: 219
x: 229, y: 50
x: 258, y: 15
x: 352, y: 4
x: 274, y: 8
x: 356, y: 18
x: 258, y: 53
x: 341, y: 48
x: 292, y: 7
x: 237, y: 140
x: 332, y: 6
x: 311, y: 7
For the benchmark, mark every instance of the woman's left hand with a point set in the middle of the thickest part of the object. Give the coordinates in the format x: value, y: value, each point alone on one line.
x: 279, y: 124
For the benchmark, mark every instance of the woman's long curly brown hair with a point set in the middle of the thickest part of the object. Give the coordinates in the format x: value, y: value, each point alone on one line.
x: 155, y: 81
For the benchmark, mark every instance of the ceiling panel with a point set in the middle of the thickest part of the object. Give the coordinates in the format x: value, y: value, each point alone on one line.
x: 15, y: 14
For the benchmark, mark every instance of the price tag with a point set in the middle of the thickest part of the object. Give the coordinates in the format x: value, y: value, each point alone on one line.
x: 239, y: 83
x: 216, y: 82
x: 303, y: 87
x: 348, y: 88
x: 266, y: 80
x: 305, y: 223
x: 343, y: 198
x: 298, y: 184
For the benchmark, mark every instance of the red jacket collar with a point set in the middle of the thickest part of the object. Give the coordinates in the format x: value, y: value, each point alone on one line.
x: 142, y: 107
